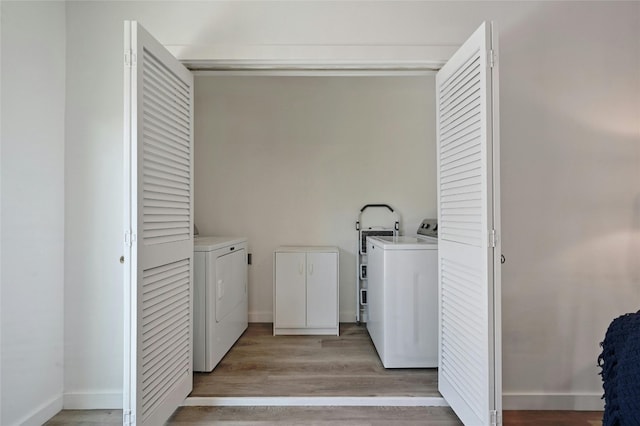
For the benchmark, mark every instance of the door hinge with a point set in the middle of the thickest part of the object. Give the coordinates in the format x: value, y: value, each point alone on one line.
x: 129, y: 238
x: 492, y: 58
x: 130, y: 59
x: 493, y: 238
x: 496, y: 420
x: 129, y: 418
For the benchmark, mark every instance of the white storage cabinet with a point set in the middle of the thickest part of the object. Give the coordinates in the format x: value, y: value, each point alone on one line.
x: 306, y: 290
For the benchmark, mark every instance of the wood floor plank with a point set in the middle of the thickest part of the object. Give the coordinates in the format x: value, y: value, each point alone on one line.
x: 375, y: 416
x: 552, y: 418
x: 261, y: 364
x: 235, y: 416
x: 86, y: 418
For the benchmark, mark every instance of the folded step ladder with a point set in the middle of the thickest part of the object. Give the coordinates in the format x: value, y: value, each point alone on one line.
x: 366, y: 229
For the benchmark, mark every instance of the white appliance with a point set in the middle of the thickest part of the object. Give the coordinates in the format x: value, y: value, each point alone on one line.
x: 403, y: 298
x: 220, y: 298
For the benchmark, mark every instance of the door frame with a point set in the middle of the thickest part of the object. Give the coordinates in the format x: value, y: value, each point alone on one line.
x: 328, y: 68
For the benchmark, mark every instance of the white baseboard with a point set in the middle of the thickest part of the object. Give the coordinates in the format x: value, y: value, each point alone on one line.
x: 267, y: 316
x: 93, y: 401
x: 43, y: 413
x: 553, y: 401
x: 316, y: 401
x: 261, y: 316
x: 347, y: 316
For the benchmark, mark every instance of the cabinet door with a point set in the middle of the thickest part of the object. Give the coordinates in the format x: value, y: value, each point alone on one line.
x: 322, y: 290
x: 290, y: 290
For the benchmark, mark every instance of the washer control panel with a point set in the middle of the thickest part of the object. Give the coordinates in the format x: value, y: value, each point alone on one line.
x: 428, y: 227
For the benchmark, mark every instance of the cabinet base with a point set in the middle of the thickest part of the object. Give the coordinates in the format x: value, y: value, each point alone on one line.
x: 279, y: 331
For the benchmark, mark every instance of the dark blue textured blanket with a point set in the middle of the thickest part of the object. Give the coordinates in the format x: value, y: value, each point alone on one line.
x: 620, y: 363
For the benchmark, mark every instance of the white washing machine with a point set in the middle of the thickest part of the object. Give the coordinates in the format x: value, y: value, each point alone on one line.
x: 403, y: 298
x: 220, y: 303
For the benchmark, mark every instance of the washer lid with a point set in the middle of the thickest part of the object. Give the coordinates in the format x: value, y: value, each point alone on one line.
x: 403, y: 243
x: 214, y: 243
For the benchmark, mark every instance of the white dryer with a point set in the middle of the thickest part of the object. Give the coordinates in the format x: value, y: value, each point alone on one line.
x: 220, y: 303
x: 403, y: 299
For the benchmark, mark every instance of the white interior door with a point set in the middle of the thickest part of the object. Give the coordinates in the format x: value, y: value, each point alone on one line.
x: 469, y: 375
x: 158, y: 230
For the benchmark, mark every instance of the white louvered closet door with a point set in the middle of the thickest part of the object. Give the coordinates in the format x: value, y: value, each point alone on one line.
x: 158, y: 229
x: 469, y: 375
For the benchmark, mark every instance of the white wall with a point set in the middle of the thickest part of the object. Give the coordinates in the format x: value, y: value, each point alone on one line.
x: 32, y: 204
x: 94, y: 188
x: 570, y: 102
x: 570, y: 93
x: 291, y: 160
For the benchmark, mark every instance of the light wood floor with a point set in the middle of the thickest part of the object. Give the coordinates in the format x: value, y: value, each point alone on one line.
x: 436, y: 416
x: 261, y: 364
x: 361, y: 416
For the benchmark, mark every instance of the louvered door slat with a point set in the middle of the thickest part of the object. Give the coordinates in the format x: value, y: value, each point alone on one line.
x: 464, y: 96
x: 152, y: 382
x: 162, y: 150
x: 160, y: 185
x: 462, y: 120
x: 459, y: 141
x: 161, y: 93
x: 157, y: 201
x: 159, y: 155
x: 170, y: 80
x: 164, y: 104
x: 157, y: 310
x: 166, y: 296
x: 163, y: 142
x: 156, y: 133
x: 157, y: 366
x: 466, y: 163
x: 162, y: 334
x: 165, y: 196
x: 168, y: 336
x: 159, y: 220
x: 162, y: 225
x: 459, y: 351
x: 467, y: 102
x: 167, y: 280
x: 470, y: 154
x: 462, y: 176
x: 164, y: 175
x: 449, y: 85
x: 167, y: 128
x: 469, y: 93
x: 154, y: 109
x: 170, y: 168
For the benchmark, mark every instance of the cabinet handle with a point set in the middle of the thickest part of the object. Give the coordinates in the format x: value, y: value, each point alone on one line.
x: 311, y: 269
x: 300, y: 268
